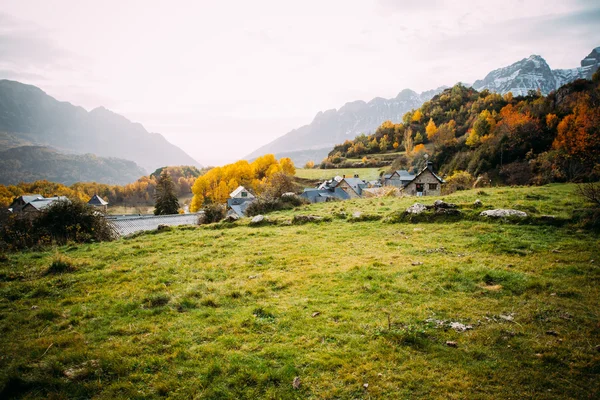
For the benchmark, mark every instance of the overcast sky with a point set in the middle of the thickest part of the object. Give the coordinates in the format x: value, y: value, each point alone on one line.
x: 221, y: 78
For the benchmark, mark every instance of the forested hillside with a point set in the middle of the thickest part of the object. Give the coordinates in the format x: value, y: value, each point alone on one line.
x: 32, y: 163
x: 531, y: 139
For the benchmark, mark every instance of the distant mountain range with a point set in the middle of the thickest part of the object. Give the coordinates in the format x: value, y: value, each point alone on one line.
x: 314, y: 141
x: 32, y: 163
x: 30, y: 117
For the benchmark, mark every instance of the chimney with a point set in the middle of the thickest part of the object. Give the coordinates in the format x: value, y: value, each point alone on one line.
x: 344, y: 176
x: 356, y: 175
x: 430, y: 166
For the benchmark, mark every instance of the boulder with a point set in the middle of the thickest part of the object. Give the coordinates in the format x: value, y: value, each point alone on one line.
x: 163, y: 227
x: 259, y: 219
x: 231, y: 218
x: 356, y: 214
x: 503, y: 213
x: 416, y: 208
x: 442, y: 204
x: 478, y: 203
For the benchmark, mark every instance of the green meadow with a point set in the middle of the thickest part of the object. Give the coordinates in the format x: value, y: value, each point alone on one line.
x: 368, y: 174
x: 375, y: 306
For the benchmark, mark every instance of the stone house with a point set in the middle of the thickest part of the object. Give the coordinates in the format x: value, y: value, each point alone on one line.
x: 399, y: 178
x: 98, y: 202
x: 21, y: 201
x: 239, y: 200
x: 425, y: 183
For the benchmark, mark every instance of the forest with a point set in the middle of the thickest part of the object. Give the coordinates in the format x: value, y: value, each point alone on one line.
x: 140, y: 192
x: 531, y: 139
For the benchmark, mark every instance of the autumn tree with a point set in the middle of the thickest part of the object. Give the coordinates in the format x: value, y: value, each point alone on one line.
x: 431, y: 130
x: 408, y: 140
x: 417, y: 116
x: 309, y: 164
x: 166, y: 199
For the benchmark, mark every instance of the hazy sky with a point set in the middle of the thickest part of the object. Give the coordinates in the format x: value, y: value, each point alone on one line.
x: 221, y: 78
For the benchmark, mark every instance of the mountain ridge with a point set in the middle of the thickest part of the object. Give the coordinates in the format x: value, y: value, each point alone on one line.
x: 30, y: 114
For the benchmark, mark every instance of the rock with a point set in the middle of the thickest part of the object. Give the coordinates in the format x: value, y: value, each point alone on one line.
x: 447, y: 211
x: 416, y: 208
x: 163, y: 227
x: 478, y: 203
x: 231, y: 218
x: 81, y: 371
x: 296, y: 383
x: 450, y: 343
x: 442, y: 204
x: 503, y: 213
x: 34, y: 307
x: 366, y: 385
x: 458, y: 327
x: 257, y: 220
x: 315, y: 314
x: 302, y: 219
x: 356, y: 214
x: 417, y: 263
x: 508, y: 317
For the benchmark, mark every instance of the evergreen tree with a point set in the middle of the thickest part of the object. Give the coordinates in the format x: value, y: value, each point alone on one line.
x: 166, y: 199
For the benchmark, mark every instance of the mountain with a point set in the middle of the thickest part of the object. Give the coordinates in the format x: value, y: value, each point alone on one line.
x: 534, y: 73
x: 335, y: 126
x: 32, y: 163
x: 315, y: 141
x: 33, y: 117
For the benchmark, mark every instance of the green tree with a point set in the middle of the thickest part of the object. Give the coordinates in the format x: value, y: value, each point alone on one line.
x: 166, y: 200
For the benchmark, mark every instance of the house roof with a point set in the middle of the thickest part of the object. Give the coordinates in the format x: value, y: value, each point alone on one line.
x: 356, y: 184
x: 97, y: 201
x: 42, y: 203
x: 239, y: 190
x: 427, y: 168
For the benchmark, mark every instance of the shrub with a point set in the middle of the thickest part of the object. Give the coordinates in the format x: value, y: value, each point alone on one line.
x: 212, y: 213
x: 74, y: 221
x: 60, y: 265
x: 264, y: 205
x: 62, y: 221
x: 459, y: 180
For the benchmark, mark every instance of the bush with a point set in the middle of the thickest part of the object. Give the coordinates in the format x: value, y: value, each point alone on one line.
x: 212, y: 213
x: 264, y: 205
x: 74, y: 221
x: 62, y: 221
x: 459, y: 180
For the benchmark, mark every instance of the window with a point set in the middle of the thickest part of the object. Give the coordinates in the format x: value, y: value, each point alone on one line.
x: 244, y: 194
x: 433, y: 186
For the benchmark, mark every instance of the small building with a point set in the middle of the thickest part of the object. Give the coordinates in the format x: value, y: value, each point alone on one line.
x: 98, y: 202
x: 337, y: 188
x: 239, y: 200
x: 21, y: 201
x: 352, y: 186
x: 425, y: 183
x: 399, y: 178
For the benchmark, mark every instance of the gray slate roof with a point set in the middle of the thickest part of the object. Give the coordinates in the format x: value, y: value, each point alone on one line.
x: 97, y: 201
x: 41, y: 203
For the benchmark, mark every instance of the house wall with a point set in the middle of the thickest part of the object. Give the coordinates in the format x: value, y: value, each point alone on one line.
x: 426, y: 178
x: 348, y: 189
x: 394, y: 180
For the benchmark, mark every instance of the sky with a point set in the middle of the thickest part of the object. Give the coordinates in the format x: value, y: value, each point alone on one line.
x: 222, y: 78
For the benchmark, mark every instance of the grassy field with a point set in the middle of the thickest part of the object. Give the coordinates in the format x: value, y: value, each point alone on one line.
x: 353, y: 309
x: 322, y: 174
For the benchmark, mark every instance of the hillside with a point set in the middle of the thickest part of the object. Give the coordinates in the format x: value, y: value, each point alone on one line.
x: 35, y: 118
x: 332, y: 127
x: 515, y: 140
x: 32, y: 163
x: 467, y: 309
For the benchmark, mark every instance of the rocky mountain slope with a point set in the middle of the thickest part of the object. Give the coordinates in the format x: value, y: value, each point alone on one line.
x: 32, y: 117
x: 314, y: 141
x: 335, y: 126
x: 534, y: 73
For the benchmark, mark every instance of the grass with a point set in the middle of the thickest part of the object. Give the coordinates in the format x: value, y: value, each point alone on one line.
x: 322, y: 174
x: 235, y: 311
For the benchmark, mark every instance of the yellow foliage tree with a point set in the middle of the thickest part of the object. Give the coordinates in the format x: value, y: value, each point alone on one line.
x: 417, y: 116
x: 431, y: 130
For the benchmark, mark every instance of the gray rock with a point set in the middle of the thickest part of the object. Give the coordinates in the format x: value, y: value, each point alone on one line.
x: 231, y: 218
x: 503, y: 213
x: 447, y: 211
x: 163, y: 227
x: 302, y: 219
x: 356, y: 214
x: 258, y: 219
x: 478, y: 203
x: 416, y: 208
